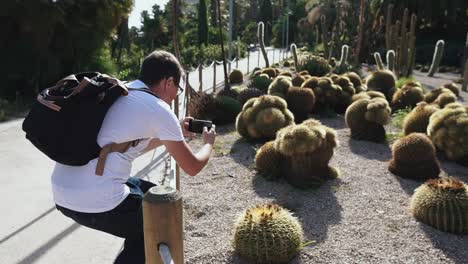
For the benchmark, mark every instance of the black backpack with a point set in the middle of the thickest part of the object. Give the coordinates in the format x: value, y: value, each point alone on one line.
x: 65, y: 121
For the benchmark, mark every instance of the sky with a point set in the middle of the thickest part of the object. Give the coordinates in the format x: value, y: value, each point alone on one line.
x: 141, y: 5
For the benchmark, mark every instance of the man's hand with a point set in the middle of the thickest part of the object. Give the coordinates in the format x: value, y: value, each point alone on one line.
x: 185, y: 126
x: 209, y: 136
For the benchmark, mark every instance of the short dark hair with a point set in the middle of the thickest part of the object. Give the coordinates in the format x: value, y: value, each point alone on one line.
x: 158, y: 65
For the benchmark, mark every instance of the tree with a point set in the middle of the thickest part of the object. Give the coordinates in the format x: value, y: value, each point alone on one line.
x: 202, y: 23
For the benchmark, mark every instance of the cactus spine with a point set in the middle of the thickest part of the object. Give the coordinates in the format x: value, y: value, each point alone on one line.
x: 438, y: 52
x: 391, y: 60
x: 378, y: 61
x: 294, y: 52
x: 261, y: 41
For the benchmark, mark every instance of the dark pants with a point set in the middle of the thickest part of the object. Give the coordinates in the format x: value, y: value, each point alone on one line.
x: 125, y: 221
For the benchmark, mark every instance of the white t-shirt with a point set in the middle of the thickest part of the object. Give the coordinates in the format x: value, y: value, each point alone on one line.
x: 137, y: 116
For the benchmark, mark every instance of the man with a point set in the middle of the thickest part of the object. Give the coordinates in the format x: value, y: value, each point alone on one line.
x: 112, y: 203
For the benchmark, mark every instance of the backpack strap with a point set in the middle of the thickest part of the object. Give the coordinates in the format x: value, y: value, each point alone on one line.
x: 112, y: 147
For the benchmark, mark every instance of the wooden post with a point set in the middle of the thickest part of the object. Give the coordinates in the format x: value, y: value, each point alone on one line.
x: 162, y: 224
x: 200, y: 77
x: 214, y: 77
x: 238, y: 52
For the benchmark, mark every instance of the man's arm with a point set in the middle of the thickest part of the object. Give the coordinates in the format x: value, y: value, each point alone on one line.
x: 191, y: 163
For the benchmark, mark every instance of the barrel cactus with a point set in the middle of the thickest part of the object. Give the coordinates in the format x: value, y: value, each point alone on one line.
x: 382, y: 81
x: 270, y: 71
x: 236, y: 76
x: 357, y: 81
x: 407, y: 96
x: 452, y: 87
x: 297, y: 80
x: 301, y: 102
x: 226, y: 109
x: 442, y: 204
x: 418, y: 119
x: 366, y: 119
x: 248, y: 93
x: 262, y: 117
x: 346, y: 93
x: 307, y: 149
x: 202, y: 106
x: 440, y: 96
x: 448, y: 129
x: 261, y: 82
x: 267, y: 234
x: 286, y: 73
x: 268, y: 160
x: 280, y: 86
x: 414, y: 157
x: 368, y: 95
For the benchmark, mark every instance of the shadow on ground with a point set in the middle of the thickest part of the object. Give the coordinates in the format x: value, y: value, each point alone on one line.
x: 454, y: 246
x: 370, y: 150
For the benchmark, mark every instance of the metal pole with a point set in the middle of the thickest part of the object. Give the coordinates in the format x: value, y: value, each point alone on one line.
x: 200, y: 77
x: 214, y: 77
x: 248, y: 60
x: 238, y: 52
x: 287, y: 24
x: 258, y: 58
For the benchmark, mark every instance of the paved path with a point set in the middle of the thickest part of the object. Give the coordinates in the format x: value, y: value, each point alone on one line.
x: 31, y: 230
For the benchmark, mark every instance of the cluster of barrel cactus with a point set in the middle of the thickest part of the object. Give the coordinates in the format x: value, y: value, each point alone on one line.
x: 414, y: 157
x: 300, y: 153
x: 314, y: 65
x: 246, y: 94
x: 383, y: 81
x: 262, y: 117
x: 440, y: 96
x: 448, y: 129
x: 366, y: 119
x: 280, y: 86
x: 301, y: 102
x: 267, y: 234
x: 442, y: 204
x: 408, y: 96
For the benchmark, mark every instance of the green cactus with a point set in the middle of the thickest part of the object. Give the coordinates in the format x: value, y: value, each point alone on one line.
x: 236, y: 76
x: 407, y: 96
x: 382, y: 81
x: 414, y: 157
x: 262, y: 117
x: 437, y: 58
x: 268, y: 161
x: 391, y: 60
x: 315, y: 65
x: 442, y: 204
x: 267, y: 234
x: 226, y: 110
x: 448, y: 130
x: 261, y: 82
x: 248, y: 93
x: 261, y: 41
x: 280, y: 85
x: 378, y: 61
x: 366, y: 117
x: 298, y: 80
x: 294, y: 52
x: 418, y: 119
x: 307, y: 149
x: 301, y: 102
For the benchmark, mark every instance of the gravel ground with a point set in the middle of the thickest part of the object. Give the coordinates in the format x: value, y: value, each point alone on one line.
x: 361, y: 217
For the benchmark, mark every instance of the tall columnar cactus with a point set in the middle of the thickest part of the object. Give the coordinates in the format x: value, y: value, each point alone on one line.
x: 325, y: 40
x: 261, y: 41
x: 378, y: 61
x: 414, y: 157
x: 262, y: 117
x: 403, y: 46
x: 267, y: 234
x: 294, y: 52
x: 411, y: 45
x: 388, y: 28
x: 442, y: 204
x: 437, y: 58
x: 366, y: 119
x: 344, y: 55
x: 391, y: 60
x: 307, y: 149
x: 418, y: 119
x: 448, y: 129
x: 465, y: 77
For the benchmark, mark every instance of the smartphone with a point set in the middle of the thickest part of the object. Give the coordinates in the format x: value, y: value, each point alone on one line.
x: 196, y: 125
